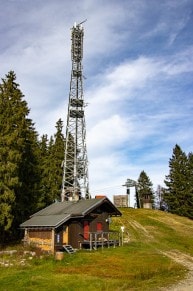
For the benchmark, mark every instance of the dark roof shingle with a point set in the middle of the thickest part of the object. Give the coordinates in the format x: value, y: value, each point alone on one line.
x: 57, y: 213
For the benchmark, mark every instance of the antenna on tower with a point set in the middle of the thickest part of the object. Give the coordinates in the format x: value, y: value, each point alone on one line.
x: 75, y: 184
x: 83, y: 21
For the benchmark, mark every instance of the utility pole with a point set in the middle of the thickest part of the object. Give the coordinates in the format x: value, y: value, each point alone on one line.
x: 75, y: 184
x: 132, y: 183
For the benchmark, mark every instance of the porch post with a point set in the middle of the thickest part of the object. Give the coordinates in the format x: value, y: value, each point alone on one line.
x: 95, y: 240
x: 108, y: 239
x: 26, y: 234
x: 52, y: 241
x: 26, y: 237
x: 90, y: 237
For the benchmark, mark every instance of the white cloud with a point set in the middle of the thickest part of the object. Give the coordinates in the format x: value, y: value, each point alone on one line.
x: 181, y: 62
x: 108, y: 134
x: 138, y: 65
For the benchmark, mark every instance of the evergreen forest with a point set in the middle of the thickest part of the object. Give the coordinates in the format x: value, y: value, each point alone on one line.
x: 31, y: 167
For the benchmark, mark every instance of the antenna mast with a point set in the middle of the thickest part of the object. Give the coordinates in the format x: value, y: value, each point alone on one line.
x: 75, y: 183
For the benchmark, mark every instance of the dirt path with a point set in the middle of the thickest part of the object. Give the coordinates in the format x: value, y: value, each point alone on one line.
x: 181, y: 258
x: 187, y: 261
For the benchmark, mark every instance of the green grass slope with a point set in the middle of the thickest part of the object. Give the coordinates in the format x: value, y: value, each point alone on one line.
x: 156, y: 228
x: 142, y: 263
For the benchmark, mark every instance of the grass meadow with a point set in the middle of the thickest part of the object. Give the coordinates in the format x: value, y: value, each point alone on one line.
x: 140, y: 264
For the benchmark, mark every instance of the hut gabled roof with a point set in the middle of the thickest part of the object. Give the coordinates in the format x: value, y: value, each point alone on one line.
x: 57, y: 213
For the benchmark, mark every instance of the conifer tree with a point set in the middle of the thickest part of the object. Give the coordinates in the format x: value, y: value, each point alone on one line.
x: 178, y: 193
x: 144, y: 189
x: 18, y: 141
x: 190, y: 183
x: 44, y: 170
x: 52, y: 156
x: 57, y: 157
x: 46, y: 175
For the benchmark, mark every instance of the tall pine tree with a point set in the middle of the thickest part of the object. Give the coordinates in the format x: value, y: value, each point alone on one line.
x: 57, y: 157
x: 44, y: 170
x: 179, y: 184
x: 18, y: 157
x: 52, y: 156
x: 190, y: 183
x: 144, y: 189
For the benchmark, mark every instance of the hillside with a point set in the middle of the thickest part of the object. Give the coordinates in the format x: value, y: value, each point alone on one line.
x: 160, y: 229
x: 165, y: 233
x: 157, y: 254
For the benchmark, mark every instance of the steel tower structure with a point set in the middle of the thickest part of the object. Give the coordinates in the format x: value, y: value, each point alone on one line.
x: 75, y: 184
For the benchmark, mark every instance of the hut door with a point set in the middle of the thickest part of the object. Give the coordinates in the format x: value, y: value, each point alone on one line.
x: 86, y: 230
x: 99, y: 227
x: 65, y: 235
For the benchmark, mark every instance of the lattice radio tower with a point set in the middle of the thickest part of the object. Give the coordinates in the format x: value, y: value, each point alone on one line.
x: 75, y: 184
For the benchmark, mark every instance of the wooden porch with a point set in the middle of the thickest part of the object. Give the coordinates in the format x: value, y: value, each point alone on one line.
x: 94, y: 240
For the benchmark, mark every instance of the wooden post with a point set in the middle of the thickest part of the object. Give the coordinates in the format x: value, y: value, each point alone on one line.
x: 52, y: 241
x: 95, y: 240
x: 90, y: 241
x: 26, y: 237
x: 108, y: 239
x: 119, y: 239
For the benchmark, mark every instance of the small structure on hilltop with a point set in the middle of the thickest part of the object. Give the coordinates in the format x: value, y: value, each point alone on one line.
x: 142, y: 201
x: 120, y: 200
x: 146, y: 201
x: 81, y: 224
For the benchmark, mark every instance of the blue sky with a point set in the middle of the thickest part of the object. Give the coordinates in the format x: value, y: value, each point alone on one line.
x: 138, y: 64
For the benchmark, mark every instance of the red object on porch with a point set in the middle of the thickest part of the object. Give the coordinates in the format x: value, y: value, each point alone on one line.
x: 99, y: 226
x: 86, y: 230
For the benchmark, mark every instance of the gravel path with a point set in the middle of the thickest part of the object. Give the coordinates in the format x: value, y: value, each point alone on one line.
x: 187, y: 261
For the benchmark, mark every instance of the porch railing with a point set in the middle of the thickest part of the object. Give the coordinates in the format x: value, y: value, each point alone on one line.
x: 93, y: 240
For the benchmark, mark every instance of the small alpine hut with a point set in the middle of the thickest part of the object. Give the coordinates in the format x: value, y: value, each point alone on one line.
x: 80, y: 224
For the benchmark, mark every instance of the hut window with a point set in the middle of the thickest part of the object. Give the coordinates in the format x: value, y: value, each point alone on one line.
x: 58, y: 238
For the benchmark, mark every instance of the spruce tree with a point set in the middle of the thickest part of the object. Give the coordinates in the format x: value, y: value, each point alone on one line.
x: 179, y: 184
x: 189, y: 198
x: 18, y: 160
x: 52, y: 156
x: 57, y: 157
x: 44, y: 170
x: 47, y: 175
x: 144, y: 189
